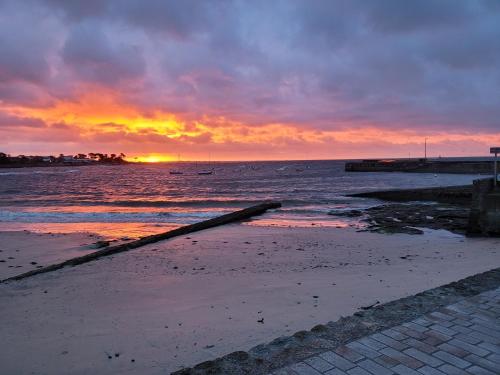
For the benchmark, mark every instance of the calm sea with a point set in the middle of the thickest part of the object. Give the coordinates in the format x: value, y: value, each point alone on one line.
x: 135, y: 200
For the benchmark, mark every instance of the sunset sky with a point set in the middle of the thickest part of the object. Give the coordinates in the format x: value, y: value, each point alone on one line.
x: 250, y: 80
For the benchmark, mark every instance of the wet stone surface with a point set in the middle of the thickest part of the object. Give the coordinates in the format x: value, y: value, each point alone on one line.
x: 411, y: 217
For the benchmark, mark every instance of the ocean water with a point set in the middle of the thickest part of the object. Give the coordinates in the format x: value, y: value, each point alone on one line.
x: 140, y: 199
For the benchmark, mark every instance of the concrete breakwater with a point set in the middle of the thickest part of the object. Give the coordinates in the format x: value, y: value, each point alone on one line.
x: 422, y: 166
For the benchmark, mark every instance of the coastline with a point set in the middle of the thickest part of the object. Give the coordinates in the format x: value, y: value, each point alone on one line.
x: 179, y: 302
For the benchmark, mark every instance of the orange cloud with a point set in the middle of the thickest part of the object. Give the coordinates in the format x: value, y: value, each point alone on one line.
x: 101, y: 119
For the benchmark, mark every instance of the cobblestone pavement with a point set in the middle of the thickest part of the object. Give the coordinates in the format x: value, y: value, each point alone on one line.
x: 463, y: 338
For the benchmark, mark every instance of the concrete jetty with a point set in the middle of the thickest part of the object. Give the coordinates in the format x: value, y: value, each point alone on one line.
x: 452, y: 165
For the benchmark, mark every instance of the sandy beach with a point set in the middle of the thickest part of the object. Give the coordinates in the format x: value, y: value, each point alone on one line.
x: 179, y: 302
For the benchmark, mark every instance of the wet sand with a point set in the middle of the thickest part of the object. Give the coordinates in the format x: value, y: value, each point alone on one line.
x: 23, y: 251
x: 182, y: 301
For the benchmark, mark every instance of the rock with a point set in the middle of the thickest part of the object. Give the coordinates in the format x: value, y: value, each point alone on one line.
x: 350, y: 213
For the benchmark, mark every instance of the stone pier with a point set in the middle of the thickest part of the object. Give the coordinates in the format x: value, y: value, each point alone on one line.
x: 484, y: 216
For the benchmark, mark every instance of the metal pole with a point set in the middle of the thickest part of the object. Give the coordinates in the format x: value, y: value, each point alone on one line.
x: 495, y: 182
x: 425, y: 148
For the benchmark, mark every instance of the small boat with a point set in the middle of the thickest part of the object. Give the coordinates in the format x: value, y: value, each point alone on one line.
x: 201, y: 173
x: 176, y: 172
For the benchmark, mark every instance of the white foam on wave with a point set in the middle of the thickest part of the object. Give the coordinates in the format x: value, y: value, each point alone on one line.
x: 106, y: 217
x: 28, y: 173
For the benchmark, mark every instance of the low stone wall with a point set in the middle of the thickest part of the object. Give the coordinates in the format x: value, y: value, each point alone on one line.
x: 484, y: 216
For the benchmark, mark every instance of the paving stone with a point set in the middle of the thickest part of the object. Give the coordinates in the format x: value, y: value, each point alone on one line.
x: 395, y: 344
x: 476, y: 370
x: 472, y: 349
x: 348, y: 353
x: 444, y: 330
x: 394, y: 334
x: 483, y: 337
x: 358, y: 371
x: 460, y: 329
x: 420, y: 345
x: 303, y: 369
x: 487, y: 331
x: 468, y: 338
x: 363, y: 349
x: 451, y: 359
x: 435, y: 320
x: 439, y: 336
x: 494, y: 358
x: 415, y: 327
x: 409, y: 332
x: 491, y: 324
x: 372, y: 344
x: 337, y: 360
x: 423, y: 322
x: 423, y: 357
x: 459, y: 308
x: 454, y: 314
x: 483, y: 362
x: 319, y: 363
x: 459, y: 352
x: 491, y: 347
x: 284, y: 371
x: 386, y: 361
x: 403, y: 370
x: 451, y: 370
x: 335, y: 371
x: 462, y: 322
x: 402, y: 358
x: 441, y: 315
x: 427, y: 370
x: 374, y: 367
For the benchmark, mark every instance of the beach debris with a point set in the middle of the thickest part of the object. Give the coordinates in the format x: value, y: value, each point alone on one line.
x: 261, y: 320
x: 209, y: 346
x: 101, y: 243
x: 369, y: 306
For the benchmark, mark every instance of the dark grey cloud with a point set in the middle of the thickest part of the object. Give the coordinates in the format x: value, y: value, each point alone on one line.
x: 93, y: 57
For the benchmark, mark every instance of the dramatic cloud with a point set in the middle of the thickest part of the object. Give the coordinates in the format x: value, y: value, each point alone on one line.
x: 250, y: 79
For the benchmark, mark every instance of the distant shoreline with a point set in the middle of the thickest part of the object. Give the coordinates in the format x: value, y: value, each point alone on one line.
x: 63, y: 164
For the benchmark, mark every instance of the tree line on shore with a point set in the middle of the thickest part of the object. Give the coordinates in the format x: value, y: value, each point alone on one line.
x: 92, y: 157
